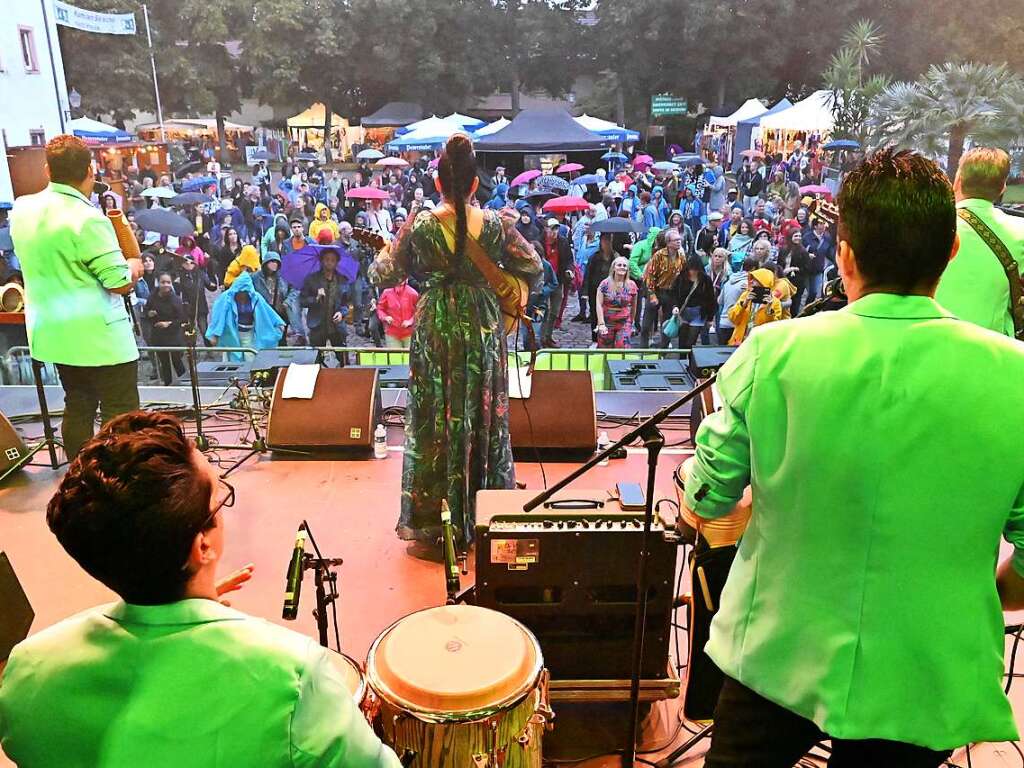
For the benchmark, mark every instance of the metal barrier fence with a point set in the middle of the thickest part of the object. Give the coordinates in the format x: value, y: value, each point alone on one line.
x: 16, y: 366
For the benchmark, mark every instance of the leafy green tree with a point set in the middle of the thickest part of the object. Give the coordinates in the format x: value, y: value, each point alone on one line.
x: 946, y: 106
x: 196, y: 70
x: 853, y: 89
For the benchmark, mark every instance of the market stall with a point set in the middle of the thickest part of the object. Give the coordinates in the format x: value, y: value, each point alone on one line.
x: 114, y: 160
x: 201, y: 132
x: 809, y: 121
x: 748, y: 132
x: 307, y: 130
x: 719, y: 138
x: 381, y: 126
x: 541, y: 139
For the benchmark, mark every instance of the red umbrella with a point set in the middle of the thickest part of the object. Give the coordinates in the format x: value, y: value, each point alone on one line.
x: 566, y: 204
x: 569, y: 167
x: 368, y: 193
x: 752, y: 153
x: 643, y: 160
x: 391, y: 162
x: 525, y: 178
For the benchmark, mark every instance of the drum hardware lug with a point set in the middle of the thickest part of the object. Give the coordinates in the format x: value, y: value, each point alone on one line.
x: 480, y: 761
x: 407, y: 757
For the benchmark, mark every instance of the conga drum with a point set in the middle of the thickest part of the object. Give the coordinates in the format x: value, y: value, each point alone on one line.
x: 460, y: 686
x: 714, y: 549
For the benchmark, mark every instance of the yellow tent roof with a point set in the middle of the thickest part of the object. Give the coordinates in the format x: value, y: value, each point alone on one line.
x: 314, y: 118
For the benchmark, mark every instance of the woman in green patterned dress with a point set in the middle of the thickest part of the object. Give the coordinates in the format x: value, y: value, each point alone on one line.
x: 456, y: 422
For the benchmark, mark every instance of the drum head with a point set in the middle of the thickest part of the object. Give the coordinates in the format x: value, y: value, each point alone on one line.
x: 456, y: 658
x: 350, y: 673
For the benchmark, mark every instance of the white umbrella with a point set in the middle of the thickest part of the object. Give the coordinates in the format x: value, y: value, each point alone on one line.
x: 160, y: 192
x: 370, y: 154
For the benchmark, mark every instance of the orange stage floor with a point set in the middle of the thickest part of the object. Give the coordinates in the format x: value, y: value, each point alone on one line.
x: 351, y: 507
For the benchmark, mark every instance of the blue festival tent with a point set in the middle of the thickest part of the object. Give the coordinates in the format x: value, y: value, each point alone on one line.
x: 745, y: 131
x: 87, y: 128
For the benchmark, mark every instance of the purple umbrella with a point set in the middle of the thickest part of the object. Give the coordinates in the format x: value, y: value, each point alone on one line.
x: 298, y: 265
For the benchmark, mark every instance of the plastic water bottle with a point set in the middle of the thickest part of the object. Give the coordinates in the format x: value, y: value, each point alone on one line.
x: 603, y: 441
x: 380, y: 442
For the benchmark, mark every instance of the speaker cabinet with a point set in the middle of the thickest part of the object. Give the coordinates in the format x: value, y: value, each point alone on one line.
x: 558, y: 421
x: 339, y: 419
x: 13, y: 451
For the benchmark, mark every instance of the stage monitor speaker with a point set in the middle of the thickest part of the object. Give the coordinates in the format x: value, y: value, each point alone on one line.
x: 339, y: 419
x: 13, y: 451
x: 16, y: 612
x: 706, y: 360
x: 264, y: 366
x: 558, y: 421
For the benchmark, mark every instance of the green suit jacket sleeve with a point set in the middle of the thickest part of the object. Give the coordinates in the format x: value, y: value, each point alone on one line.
x: 327, y: 729
x: 721, y: 468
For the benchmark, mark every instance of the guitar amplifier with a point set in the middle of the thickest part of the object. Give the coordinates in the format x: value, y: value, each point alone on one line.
x: 567, y: 570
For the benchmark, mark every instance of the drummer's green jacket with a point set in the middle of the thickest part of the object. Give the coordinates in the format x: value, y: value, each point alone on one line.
x: 191, y: 683
x: 883, y: 445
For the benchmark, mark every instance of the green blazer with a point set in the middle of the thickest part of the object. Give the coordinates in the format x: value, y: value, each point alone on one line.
x: 191, y: 683
x: 883, y: 446
x: 974, y: 286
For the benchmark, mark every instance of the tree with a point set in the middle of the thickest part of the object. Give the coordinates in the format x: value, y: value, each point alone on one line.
x: 946, y: 106
x: 198, y: 73
x: 853, y: 90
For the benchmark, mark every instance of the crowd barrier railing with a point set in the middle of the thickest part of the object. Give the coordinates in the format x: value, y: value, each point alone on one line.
x: 17, y: 369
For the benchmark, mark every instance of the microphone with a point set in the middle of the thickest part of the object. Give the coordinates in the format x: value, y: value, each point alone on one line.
x: 293, y: 586
x: 451, y: 566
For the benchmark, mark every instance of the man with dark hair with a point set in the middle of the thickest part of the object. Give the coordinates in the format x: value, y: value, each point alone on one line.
x: 977, y: 286
x: 827, y: 623
x: 169, y: 674
x: 75, y: 278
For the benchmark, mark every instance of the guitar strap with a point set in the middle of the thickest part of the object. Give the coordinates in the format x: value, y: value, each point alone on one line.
x: 1008, y: 263
x: 492, y: 274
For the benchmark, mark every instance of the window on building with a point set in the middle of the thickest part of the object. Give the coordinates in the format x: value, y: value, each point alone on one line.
x: 37, y: 136
x: 28, y: 49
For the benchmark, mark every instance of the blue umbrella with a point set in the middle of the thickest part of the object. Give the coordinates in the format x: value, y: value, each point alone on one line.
x: 307, y: 156
x: 589, y: 178
x: 841, y: 144
x: 192, y: 185
x: 298, y: 265
x: 616, y: 157
x: 190, y: 198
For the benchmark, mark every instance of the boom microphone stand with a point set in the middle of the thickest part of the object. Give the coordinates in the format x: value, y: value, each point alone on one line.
x: 323, y: 576
x: 653, y: 441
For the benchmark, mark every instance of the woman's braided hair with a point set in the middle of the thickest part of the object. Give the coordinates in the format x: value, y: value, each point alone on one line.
x: 457, y: 171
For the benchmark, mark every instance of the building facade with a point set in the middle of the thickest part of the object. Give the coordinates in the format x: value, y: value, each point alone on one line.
x: 33, y: 92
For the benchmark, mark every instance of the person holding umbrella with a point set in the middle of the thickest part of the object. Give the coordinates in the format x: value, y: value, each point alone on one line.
x: 326, y: 297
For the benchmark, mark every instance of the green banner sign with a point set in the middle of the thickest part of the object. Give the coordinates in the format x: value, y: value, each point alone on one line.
x: 665, y: 105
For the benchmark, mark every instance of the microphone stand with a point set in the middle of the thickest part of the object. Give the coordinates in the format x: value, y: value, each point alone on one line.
x: 323, y: 576
x: 202, y: 442
x: 653, y: 441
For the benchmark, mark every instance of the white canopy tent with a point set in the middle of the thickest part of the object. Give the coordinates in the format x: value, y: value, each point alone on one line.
x: 812, y: 115
x: 490, y: 128
x: 750, y: 108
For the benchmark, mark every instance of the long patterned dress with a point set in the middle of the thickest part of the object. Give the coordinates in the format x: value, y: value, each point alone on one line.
x: 456, y: 422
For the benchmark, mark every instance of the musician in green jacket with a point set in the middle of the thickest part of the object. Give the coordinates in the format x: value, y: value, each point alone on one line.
x: 975, y: 286
x: 863, y: 603
x: 168, y: 676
